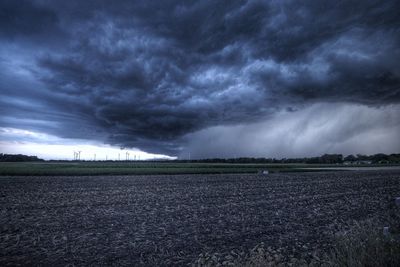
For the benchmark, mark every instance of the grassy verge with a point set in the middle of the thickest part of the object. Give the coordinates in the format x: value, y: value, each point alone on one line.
x: 365, y: 245
x: 138, y: 168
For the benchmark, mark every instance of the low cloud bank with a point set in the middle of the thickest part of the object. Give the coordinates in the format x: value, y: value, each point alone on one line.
x: 313, y: 130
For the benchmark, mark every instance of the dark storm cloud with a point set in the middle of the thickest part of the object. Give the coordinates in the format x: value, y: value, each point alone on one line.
x: 146, y: 73
x: 26, y: 19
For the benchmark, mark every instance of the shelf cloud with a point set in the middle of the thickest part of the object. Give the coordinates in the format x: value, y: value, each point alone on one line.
x: 169, y: 77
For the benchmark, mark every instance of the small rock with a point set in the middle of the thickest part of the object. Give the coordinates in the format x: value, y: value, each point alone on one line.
x: 397, y: 201
x: 386, y: 231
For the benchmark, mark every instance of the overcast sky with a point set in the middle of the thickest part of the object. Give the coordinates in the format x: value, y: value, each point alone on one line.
x: 207, y: 78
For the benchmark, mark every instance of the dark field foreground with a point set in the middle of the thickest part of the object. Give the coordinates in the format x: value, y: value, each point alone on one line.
x: 170, y: 220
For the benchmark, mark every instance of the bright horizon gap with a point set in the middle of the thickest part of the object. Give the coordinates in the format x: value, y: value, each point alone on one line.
x: 63, y: 149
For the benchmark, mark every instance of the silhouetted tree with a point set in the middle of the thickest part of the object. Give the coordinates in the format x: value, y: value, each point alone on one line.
x: 18, y: 158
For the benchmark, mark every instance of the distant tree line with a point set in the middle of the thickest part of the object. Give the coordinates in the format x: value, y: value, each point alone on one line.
x: 324, y: 159
x: 18, y: 158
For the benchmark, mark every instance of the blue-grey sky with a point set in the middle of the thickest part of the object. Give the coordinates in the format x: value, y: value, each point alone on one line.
x: 210, y: 78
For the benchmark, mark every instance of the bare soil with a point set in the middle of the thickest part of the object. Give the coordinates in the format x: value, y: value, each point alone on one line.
x: 171, y: 219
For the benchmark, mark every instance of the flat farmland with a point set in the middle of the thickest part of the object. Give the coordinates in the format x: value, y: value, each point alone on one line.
x: 161, y: 220
x: 77, y: 168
